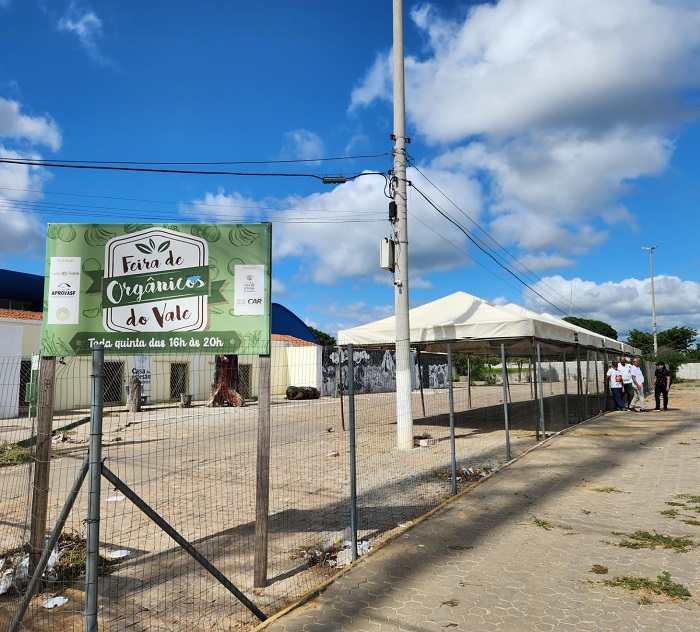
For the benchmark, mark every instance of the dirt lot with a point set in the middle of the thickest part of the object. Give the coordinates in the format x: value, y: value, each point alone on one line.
x: 196, y: 467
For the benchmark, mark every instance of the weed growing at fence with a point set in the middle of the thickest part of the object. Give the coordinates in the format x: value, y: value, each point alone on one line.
x: 13, y: 454
x: 607, y: 490
x: 662, y: 586
x: 71, y: 565
x: 672, y: 513
x: 542, y: 523
x: 646, y: 540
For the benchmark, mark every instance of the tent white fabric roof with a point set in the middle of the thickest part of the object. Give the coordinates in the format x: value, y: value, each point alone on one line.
x: 472, y: 324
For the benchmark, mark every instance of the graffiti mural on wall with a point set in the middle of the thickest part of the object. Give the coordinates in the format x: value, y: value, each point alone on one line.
x: 375, y: 370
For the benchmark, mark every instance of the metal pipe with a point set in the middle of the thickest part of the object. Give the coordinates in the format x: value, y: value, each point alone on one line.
x: 189, y: 548
x: 94, y: 481
x: 539, y: 388
x: 453, y: 452
x: 353, y: 472
x: 566, y: 390
x: 505, y: 399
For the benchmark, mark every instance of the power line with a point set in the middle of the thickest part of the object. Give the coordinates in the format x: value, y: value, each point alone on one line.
x: 537, y: 279
x: 104, y: 167
x: 220, y: 162
x: 484, y: 250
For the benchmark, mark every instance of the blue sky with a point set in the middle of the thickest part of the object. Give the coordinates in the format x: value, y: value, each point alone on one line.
x: 568, y: 132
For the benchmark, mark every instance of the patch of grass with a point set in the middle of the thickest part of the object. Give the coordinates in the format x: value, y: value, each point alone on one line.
x: 695, y: 523
x: 13, y: 454
x: 646, y: 540
x: 451, y: 602
x: 542, y: 523
x: 644, y: 601
x: 607, y: 490
x: 689, y: 497
x: 670, y: 502
x: 669, y: 512
x: 599, y: 569
x: 662, y: 586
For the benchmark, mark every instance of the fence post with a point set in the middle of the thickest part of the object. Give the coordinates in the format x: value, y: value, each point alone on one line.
x: 579, y: 382
x: 566, y: 389
x: 469, y: 382
x: 539, y: 389
x: 353, y: 472
x: 597, y: 384
x: 504, y: 374
x: 453, y: 454
x: 40, y: 498
x: 94, y: 480
x: 420, y: 381
x: 340, y: 386
x: 262, y: 488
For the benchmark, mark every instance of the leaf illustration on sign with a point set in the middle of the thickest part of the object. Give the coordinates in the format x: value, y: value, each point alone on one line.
x: 164, y: 246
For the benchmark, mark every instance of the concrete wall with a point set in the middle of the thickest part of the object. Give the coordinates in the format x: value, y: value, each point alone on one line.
x: 689, y: 371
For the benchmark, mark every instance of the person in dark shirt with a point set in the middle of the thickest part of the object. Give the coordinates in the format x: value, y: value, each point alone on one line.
x: 661, y: 384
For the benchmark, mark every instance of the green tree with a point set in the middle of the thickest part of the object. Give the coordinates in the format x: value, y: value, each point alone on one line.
x: 323, y: 338
x: 597, y: 326
x: 674, y: 340
x: 678, y: 338
x: 642, y: 340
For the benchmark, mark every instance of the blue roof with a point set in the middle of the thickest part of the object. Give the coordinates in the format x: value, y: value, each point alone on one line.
x: 20, y: 286
x: 285, y: 323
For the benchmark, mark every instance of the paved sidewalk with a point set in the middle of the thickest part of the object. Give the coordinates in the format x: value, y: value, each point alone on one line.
x: 516, y: 552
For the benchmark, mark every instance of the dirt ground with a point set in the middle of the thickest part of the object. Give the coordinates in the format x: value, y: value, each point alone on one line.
x: 196, y: 467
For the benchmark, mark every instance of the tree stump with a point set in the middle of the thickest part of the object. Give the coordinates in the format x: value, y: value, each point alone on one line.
x: 133, y: 405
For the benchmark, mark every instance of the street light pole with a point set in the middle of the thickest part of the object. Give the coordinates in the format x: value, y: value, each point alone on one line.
x: 653, y: 305
x: 404, y: 409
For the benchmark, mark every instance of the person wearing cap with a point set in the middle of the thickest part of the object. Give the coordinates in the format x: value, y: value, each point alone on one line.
x: 661, y: 384
x: 614, y: 378
x: 638, y: 381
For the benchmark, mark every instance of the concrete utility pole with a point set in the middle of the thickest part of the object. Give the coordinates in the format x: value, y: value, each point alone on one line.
x: 653, y: 305
x: 404, y: 412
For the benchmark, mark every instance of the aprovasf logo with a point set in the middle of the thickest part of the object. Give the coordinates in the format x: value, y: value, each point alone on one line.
x: 63, y: 289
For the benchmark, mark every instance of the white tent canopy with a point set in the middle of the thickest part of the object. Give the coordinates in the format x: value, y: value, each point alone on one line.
x: 474, y: 325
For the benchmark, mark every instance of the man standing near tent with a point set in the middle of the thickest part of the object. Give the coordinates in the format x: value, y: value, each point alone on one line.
x: 627, y: 384
x: 661, y: 384
x: 638, y: 381
x: 614, y: 378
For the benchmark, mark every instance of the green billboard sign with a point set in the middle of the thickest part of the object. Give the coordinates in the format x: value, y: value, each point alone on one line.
x: 147, y: 288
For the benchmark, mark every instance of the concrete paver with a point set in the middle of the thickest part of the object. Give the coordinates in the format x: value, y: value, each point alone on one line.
x: 516, y: 552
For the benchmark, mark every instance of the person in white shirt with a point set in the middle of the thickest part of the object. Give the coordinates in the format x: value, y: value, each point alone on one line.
x: 627, y: 384
x: 614, y: 378
x: 638, y: 381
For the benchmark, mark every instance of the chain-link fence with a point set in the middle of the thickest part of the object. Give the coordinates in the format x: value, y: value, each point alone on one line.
x: 213, y: 515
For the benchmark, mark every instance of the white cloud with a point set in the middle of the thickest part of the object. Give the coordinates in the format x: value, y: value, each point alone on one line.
x: 303, y: 144
x: 86, y: 26
x: 376, y: 84
x: 22, y: 232
x: 37, y: 130
x: 223, y: 207
x: 625, y: 304
x: 558, y: 107
x: 329, y: 251
x: 516, y: 65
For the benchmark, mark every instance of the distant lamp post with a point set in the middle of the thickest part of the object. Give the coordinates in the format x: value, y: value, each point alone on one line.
x: 653, y: 305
